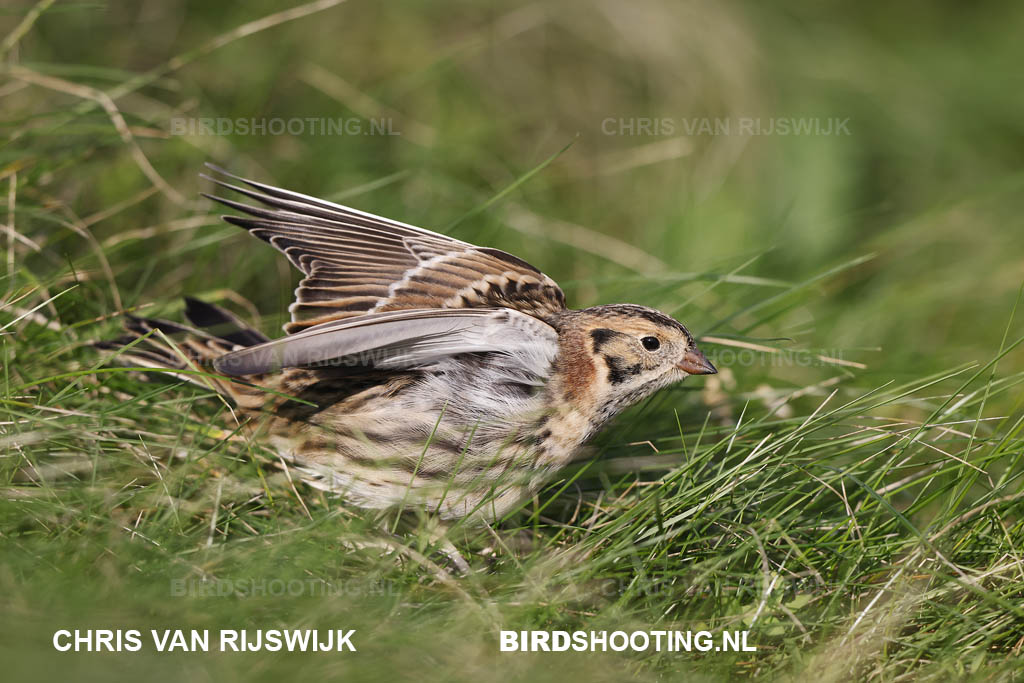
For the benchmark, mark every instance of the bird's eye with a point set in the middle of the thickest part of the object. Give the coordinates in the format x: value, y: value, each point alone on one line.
x: 651, y: 343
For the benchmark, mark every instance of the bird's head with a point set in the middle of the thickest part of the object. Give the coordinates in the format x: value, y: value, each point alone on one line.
x: 619, y: 354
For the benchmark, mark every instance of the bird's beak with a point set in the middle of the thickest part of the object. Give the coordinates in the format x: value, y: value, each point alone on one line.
x: 695, y: 363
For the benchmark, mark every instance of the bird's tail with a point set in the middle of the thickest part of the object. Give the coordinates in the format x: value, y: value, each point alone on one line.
x: 186, y: 351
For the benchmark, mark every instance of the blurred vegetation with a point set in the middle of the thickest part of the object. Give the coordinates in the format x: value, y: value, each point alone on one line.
x: 898, y: 246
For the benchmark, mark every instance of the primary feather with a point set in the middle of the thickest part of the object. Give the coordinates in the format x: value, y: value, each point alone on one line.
x: 403, y: 340
x: 357, y: 263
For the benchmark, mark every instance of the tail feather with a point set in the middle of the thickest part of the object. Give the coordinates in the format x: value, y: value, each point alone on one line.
x: 167, y: 345
x: 221, y: 323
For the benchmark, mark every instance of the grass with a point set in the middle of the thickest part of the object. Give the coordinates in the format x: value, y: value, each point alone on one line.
x: 848, y: 489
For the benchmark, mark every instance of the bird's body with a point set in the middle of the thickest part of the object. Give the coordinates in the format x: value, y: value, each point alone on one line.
x: 447, y: 437
x: 429, y: 372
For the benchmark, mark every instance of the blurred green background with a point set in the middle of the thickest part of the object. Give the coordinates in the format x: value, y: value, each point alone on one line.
x: 612, y: 135
x: 928, y: 178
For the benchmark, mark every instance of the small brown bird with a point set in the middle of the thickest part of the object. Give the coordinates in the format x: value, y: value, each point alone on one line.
x: 431, y: 372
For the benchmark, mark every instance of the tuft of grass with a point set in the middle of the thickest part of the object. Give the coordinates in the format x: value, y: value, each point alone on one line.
x: 848, y: 488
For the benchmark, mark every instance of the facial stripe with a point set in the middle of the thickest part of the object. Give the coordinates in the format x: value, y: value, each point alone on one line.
x: 601, y: 336
x: 619, y: 371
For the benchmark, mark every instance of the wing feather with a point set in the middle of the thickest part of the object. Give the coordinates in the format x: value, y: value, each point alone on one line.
x: 357, y: 263
x: 404, y: 339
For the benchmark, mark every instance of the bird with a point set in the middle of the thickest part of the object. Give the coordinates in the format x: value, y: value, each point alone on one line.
x: 417, y: 370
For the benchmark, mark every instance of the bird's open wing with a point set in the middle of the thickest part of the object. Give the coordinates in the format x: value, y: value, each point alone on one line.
x: 404, y: 339
x: 357, y: 263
